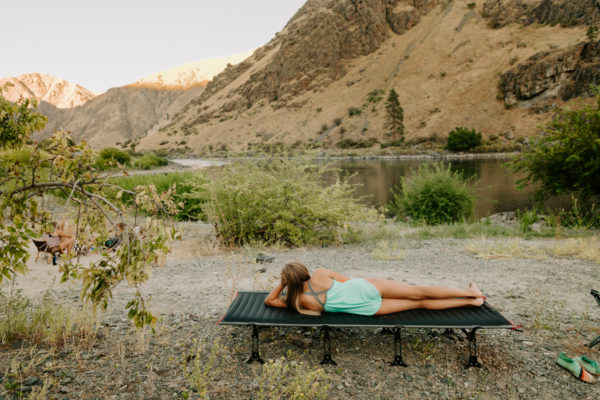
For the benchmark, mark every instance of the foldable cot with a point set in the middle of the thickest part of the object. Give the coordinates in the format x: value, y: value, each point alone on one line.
x: 248, y: 308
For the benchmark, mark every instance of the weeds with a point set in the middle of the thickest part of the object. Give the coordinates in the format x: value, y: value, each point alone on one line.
x: 45, y: 322
x: 292, y: 380
x: 389, y: 251
x: 504, y: 250
x: 205, y: 366
x: 583, y: 248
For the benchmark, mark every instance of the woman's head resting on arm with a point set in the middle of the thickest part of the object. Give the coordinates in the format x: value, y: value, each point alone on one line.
x: 293, y: 276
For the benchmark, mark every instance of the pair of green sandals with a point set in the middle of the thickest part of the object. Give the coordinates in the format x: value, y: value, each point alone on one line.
x: 581, y: 367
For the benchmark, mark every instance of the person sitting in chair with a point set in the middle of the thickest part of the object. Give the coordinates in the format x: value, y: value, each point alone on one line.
x: 330, y: 291
x: 64, y: 233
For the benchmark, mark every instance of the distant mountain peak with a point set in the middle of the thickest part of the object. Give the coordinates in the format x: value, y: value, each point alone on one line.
x: 45, y: 87
x: 197, y: 73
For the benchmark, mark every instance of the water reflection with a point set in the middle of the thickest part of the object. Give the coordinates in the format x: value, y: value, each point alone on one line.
x: 496, y: 191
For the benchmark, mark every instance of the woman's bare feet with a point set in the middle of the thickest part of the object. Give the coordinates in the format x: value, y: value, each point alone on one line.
x: 477, y: 302
x: 476, y: 292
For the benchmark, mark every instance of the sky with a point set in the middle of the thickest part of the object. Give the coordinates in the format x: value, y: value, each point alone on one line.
x: 103, y: 44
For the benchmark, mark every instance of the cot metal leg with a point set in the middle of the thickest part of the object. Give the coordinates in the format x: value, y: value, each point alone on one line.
x: 473, y: 362
x: 398, y: 349
x: 327, y: 347
x: 255, y: 356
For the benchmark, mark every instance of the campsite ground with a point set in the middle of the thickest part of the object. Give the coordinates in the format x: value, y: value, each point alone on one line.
x: 528, y: 281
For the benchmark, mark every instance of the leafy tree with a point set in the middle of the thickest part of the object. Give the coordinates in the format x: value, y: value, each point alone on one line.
x: 463, y: 139
x: 395, y: 116
x: 29, y: 172
x: 566, y: 159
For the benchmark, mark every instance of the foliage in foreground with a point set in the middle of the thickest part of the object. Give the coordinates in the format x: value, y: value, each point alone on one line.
x: 188, y: 191
x: 567, y: 158
x: 280, y: 200
x: 433, y: 194
x: 61, y: 166
x: 463, y: 139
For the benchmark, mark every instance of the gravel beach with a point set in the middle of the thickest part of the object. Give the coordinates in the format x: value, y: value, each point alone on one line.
x: 523, y: 279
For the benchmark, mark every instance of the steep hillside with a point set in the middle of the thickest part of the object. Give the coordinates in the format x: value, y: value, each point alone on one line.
x: 119, y: 115
x: 325, y: 76
x: 48, y: 88
x: 122, y: 115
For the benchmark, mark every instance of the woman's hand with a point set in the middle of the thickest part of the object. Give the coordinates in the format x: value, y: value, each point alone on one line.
x: 273, y: 298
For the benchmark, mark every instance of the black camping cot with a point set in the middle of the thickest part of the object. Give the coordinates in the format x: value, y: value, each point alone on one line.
x: 249, y: 309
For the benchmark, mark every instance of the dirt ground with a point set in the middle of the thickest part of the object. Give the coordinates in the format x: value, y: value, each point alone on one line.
x: 523, y: 279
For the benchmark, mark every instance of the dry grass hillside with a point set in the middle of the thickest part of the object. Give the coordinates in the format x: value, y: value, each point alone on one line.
x: 445, y: 62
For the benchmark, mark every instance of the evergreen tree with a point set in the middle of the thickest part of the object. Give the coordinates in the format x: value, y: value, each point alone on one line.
x: 395, y: 116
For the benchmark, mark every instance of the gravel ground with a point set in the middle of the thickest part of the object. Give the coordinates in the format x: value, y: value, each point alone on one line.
x: 548, y: 295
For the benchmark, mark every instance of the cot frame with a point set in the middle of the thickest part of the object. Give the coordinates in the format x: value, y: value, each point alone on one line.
x: 253, y: 303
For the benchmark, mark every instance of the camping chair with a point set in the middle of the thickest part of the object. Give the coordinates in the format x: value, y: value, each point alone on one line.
x: 596, y: 295
x: 42, y: 247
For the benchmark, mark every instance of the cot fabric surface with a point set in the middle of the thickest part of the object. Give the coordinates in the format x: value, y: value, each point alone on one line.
x: 248, y: 308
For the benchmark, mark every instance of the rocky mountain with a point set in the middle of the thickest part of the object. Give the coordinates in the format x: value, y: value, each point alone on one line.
x: 325, y: 76
x: 118, y: 116
x: 44, y: 87
x: 124, y: 114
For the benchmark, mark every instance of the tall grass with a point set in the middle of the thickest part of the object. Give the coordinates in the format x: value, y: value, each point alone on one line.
x: 43, y: 322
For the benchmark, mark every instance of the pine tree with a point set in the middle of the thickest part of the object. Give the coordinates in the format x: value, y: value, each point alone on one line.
x: 395, y: 116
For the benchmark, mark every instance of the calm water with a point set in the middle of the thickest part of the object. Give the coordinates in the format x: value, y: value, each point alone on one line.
x: 495, y: 186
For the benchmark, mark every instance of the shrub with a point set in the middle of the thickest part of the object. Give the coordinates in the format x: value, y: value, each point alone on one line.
x: 190, y: 191
x: 292, y: 380
x: 150, y: 160
x: 352, y: 111
x: 567, y: 158
x: 111, y: 157
x: 462, y: 139
x: 433, y: 194
x: 280, y: 200
x: 355, y: 144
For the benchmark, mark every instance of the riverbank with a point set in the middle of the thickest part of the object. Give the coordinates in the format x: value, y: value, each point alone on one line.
x: 530, y: 282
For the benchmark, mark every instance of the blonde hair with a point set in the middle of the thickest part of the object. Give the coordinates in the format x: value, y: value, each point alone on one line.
x: 293, y: 276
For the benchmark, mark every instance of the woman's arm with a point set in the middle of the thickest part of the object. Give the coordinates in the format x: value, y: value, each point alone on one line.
x: 273, y: 298
x: 332, y: 274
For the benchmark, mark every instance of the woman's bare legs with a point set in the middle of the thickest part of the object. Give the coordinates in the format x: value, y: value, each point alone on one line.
x: 390, y: 306
x: 396, y: 290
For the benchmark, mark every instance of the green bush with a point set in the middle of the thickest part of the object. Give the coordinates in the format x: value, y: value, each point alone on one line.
x: 433, y: 194
x: 150, y: 160
x: 463, y: 139
x: 109, y: 157
x: 280, y: 200
x: 567, y: 158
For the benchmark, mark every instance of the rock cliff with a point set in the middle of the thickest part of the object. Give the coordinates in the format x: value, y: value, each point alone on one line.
x: 563, y: 12
x: 566, y: 73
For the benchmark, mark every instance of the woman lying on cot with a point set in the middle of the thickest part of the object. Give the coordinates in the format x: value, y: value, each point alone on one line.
x: 330, y: 291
